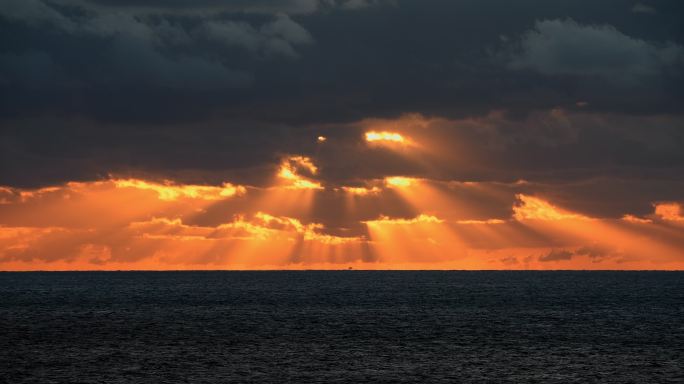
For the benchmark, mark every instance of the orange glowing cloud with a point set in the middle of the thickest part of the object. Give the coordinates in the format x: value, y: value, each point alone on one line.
x: 362, y: 191
x: 422, y: 218
x: 533, y: 208
x: 263, y: 231
x: 170, y: 191
x: 669, y: 211
x: 635, y: 219
x: 289, y: 171
x: 262, y: 226
x: 395, y: 222
x: 488, y: 221
x: 309, y: 232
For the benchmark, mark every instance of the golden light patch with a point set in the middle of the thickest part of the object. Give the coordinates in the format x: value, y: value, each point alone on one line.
x: 399, y: 181
x: 321, y: 139
x: 169, y: 191
x: 305, y: 184
x: 385, y: 136
x: 362, y: 191
x: 302, y: 183
x: 488, y: 221
x: 534, y: 208
x: 422, y: 218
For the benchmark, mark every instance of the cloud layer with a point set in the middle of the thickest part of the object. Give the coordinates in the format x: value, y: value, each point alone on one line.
x: 487, y: 113
x: 406, y: 223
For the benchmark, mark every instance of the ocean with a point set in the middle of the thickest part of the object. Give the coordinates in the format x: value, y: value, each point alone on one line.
x: 342, y: 327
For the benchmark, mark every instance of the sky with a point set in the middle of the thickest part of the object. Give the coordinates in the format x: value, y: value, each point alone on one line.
x: 336, y: 134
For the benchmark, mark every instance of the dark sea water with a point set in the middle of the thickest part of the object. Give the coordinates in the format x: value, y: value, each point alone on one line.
x: 342, y: 327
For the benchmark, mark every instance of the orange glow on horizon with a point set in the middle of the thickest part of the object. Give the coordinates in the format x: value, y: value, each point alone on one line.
x: 142, y: 224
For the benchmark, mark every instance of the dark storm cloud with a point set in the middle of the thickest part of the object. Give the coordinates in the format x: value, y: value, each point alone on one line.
x: 190, y: 4
x: 642, y: 8
x: 564, y: 47
x: 212, y: 90
x: 446, y: 58
x: 263, y: 6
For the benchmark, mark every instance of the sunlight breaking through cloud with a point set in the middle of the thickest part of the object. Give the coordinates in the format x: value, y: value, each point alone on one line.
x: 170, y: 191
x: 384, y: 136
